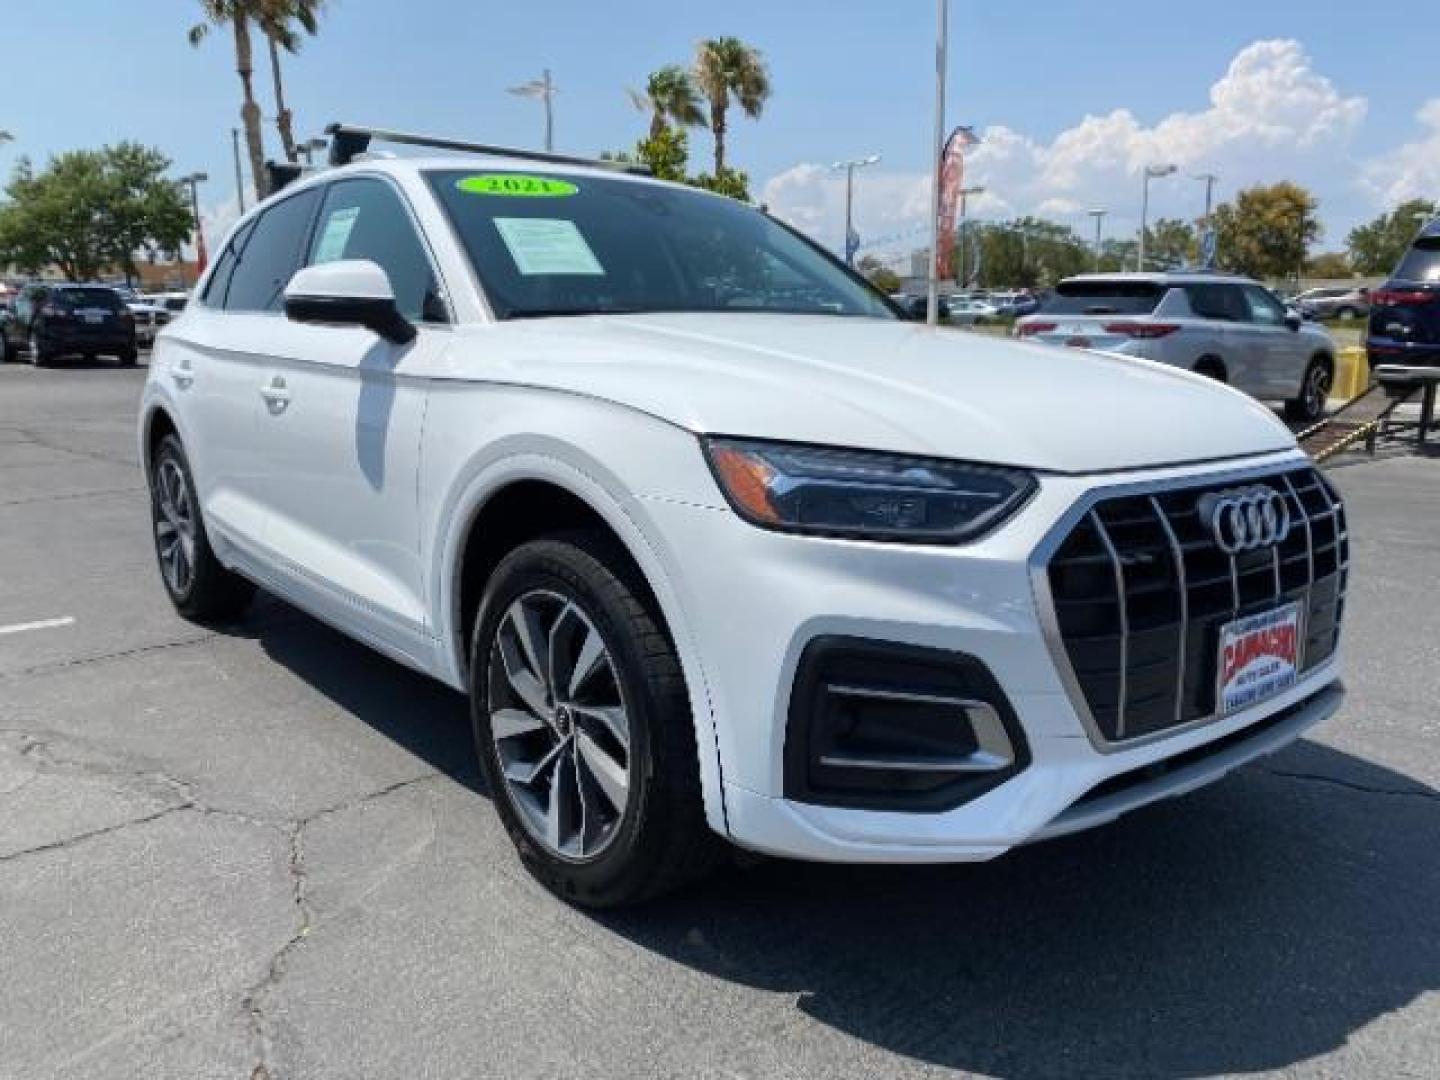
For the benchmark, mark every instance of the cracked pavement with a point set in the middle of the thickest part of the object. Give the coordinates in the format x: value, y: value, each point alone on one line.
x: 262, y: 852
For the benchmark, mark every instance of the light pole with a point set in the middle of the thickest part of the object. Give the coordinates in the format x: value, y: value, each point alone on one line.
x: 850, y: 167
x: 965, y: 193
x: 193, y: 181
x: 1209, y: 180
x: 1099, y: 215
x: 308, y: 148
x: 932, y: 300
x: 1152, y: 172
x: 239, y: 179
x: 542, y: 89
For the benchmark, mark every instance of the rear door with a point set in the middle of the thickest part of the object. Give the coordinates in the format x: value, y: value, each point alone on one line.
x: 341, y: 428
x: 215, y: 362
x: 1230, y: 335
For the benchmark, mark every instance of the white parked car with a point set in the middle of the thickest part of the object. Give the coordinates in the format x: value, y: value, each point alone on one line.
x: 716, y: 543
x: 1229, y: 328
x: 150, y: 318
x: 972, y: 312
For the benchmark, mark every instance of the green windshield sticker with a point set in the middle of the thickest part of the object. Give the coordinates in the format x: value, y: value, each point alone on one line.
x: 534, y: 187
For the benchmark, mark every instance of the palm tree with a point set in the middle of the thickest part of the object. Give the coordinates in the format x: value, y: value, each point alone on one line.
x: 239, y: 15
x: 669, y: 96
x: 726, y: 67
x: 278, y: 22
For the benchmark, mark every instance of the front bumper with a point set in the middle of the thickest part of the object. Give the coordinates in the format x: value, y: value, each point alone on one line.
x: 754, y: 600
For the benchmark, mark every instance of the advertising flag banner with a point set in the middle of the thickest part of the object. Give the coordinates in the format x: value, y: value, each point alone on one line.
x: 952, y: 179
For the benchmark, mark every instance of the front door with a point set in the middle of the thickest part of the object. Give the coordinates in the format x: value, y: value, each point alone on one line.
x: 341, y: 424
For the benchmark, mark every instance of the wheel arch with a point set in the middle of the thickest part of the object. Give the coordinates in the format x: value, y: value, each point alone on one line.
x: 1212, y: 361
x: 563, y: 493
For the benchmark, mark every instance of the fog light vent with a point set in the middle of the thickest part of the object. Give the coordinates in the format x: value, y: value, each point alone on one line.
x: 886, y: 726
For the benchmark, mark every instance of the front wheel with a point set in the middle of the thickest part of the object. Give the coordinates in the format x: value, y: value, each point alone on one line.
x: 201, y: 589
x: 583, y: 725
x: 1314, y: 392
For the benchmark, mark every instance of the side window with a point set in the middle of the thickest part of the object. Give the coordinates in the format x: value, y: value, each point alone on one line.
x: 1262, y: 308
x: 364, y: 219
x: 1209, y: 301
x: 219, y: 283
x: 271, y: 255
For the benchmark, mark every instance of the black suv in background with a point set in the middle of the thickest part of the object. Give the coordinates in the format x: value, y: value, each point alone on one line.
x: 1405, y: 312
x: 49, y: 321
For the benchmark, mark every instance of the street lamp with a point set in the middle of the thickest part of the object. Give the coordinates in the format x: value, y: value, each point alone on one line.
x: 851, y: 241
x: 965, y: 193
x: 1099, y: 215
x: 1152, y: 172
x: 308, y: 148
x: 193, y: 181
x: 542, y: 89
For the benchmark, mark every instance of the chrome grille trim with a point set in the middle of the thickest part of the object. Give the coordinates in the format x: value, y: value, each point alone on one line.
x: 1308, y: 568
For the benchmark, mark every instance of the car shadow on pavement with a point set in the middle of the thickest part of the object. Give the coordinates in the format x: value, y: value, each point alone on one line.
x: 1249, y: 926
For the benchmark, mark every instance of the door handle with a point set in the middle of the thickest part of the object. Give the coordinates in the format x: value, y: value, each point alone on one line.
x: 276, y: 394
x: 183, y: 376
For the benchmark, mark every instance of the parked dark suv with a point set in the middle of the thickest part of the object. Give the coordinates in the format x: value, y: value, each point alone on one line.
x: 50, y: 321
x: 1405, y: 312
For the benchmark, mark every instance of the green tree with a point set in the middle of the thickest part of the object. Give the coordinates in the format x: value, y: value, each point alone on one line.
x: 240, y: 16
x: 284, y: 23
x: 729, y: 182
x: 727, y: 68
x: 1266, y: 231
x: 668, y: 156
x: 878, y: 274
x: 92, y: 210
x: 1376, y: 247
x: 670, y: 98
x: 1170, y: 242
x: 1328, y: 265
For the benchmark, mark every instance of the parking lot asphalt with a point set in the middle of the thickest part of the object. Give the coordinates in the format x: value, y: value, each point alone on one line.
x: 262, y: 851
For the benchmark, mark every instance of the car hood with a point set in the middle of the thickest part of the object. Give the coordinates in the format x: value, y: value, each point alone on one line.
x: 886, y: 385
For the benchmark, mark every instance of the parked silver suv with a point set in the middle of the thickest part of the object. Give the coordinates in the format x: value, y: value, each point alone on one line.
x: 1229, y: 328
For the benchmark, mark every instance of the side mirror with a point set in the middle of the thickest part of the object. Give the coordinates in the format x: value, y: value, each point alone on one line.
x: 350, y: 292
x: 1294, y: 320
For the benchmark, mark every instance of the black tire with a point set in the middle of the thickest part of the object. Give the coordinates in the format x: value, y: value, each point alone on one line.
x: 39, y: 356
x: 129, y: 357
x: 1211, y: 367
x: 1314, y: 392
x: 660, y: 839
x: 7, y: 354
x: 209, y: 593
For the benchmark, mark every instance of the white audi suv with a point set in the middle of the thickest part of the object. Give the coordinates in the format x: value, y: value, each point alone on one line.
x: 720, y: 547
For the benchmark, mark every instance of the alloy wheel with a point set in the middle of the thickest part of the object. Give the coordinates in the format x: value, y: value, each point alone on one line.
x: 174, y: 526
x: 559, y: 724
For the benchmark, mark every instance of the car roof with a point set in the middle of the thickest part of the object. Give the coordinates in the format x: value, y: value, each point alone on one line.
x: 1166, y: 277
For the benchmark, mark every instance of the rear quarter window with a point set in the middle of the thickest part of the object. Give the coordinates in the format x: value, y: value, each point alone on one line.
x: 1103, y: 298
x: 1421, y: 262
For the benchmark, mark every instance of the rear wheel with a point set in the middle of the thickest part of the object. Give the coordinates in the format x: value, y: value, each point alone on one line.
x: 1314, y: 392
x: 1211, y: 367
x: 583, y: 725
x: 200, y: 588
x: 128, y: 357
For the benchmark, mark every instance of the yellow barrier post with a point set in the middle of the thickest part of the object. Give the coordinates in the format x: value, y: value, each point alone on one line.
x: 1352, y: 374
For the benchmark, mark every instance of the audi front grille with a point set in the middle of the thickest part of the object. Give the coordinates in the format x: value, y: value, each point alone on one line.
x: 1139, y: 589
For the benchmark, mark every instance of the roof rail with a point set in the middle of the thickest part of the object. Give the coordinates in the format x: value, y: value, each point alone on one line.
x: 347, y: 141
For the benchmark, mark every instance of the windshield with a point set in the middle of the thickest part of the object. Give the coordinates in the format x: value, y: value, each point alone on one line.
x: 545, y: 244
x: 1421, y: 262
x: 1103, y: 298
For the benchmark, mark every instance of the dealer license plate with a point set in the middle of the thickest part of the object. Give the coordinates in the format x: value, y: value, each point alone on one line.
x: 1259, y: 658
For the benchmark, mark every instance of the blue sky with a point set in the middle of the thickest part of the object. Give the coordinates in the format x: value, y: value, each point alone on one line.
x: 1329, y: 97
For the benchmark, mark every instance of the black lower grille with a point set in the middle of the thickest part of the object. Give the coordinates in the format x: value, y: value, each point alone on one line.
x: 1141, y: 590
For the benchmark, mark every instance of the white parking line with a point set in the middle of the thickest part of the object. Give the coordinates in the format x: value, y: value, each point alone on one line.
x: 43, y: 624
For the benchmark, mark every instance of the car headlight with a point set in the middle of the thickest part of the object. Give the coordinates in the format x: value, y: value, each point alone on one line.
x: 864, y: 494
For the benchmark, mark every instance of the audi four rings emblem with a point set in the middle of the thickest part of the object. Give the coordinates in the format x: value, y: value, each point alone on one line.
x: 1246, y: 519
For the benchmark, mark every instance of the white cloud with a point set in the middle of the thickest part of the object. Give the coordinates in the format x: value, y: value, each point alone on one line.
x: 1271, y: 116
x: 1412, y: 170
